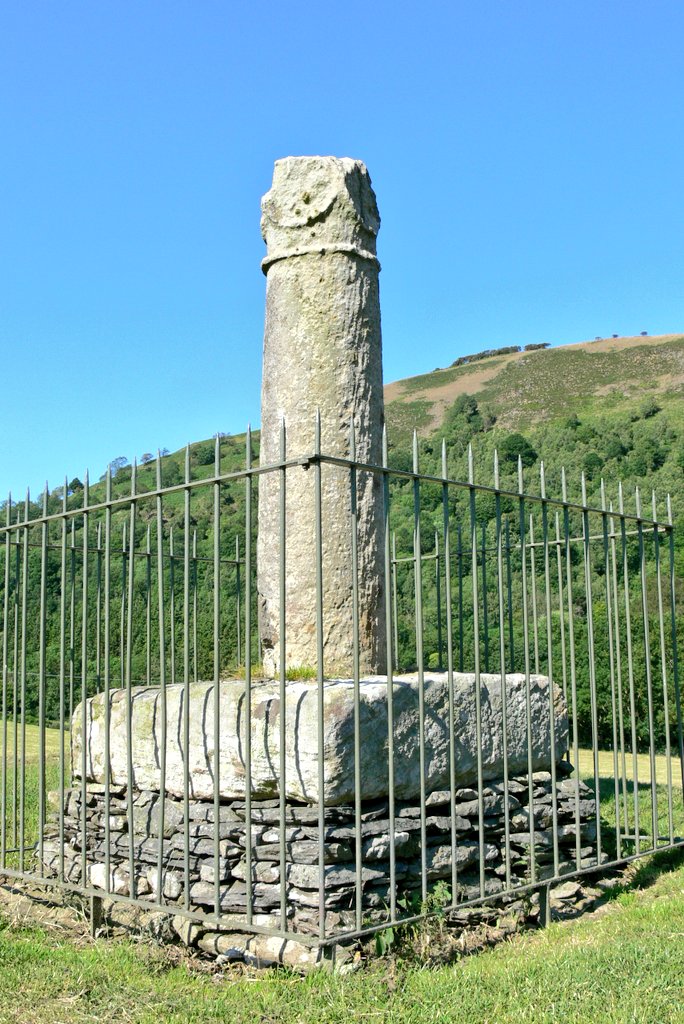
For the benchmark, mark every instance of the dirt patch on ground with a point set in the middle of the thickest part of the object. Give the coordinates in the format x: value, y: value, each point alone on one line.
x: 30, y: 907
x: 442, y: 396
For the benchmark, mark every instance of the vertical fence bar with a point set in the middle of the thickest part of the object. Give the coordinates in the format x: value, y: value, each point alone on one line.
x: 630, y: 669
x: 148, y: 608
x: 485, y: 603
x: 24, y: 619
x: 15, y: 681
x: 5, y: 615
x: 526, y: 652
x: 72, y: 620
x: 533, y: 579
x: 356, y: 674
x: 248, y: 654
x: 561, y: 607
x: 108, y: 672
x: 42, y: 680
x: 418, y: 591
x: 217, y: 711
x: 649, y: 677
x: 459, y: 556
x: 502, y: 665
x: 673, y: 630
x: 663, y: 669
x: 476, y: 666
x: 129, y: 685
x: 613, y: 696
x: 438, y: 590
x: 549, y: 665
x: 395, y: 617
x: 84, y: 681
x: 98, y: 606
x: 390, y: 559
x: 162, y: 679
x: 509, y: 589
x: 238, y: 599
x: 618, y: 667
x: 586, y: 537
x: 446, y: 537
x: 122, y: 609
x: 62, y: 677
x: 186, y: 679
x: 282, y: 584
x: 320, y: 674
x: 193, y: 582
x: 172, y: 607
x: 573, y: 664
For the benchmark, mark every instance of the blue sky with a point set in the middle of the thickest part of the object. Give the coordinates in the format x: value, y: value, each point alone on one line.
x: 527, y: 159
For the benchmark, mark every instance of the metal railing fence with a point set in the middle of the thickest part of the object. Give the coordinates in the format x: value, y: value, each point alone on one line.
x: 158, y: 588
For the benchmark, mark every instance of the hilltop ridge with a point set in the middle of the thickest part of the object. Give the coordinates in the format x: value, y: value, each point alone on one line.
x: 528, y: 387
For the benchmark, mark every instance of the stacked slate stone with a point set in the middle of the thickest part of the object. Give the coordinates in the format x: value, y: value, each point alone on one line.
x: 302, y: 848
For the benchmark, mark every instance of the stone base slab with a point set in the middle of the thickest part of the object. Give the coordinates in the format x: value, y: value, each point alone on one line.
x: 301, y: 711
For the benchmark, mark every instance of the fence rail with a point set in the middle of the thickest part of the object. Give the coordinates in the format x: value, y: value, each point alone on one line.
x: 158, y: 587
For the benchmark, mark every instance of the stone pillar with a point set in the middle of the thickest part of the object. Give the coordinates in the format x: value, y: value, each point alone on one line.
x: 322, y: 350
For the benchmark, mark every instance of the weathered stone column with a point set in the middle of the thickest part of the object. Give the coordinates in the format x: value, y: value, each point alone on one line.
x: 322, y: 350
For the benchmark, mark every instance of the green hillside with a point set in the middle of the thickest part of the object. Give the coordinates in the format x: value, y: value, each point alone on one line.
x: 598, y: 378
x: 610, y: 409
x: 607, y: 411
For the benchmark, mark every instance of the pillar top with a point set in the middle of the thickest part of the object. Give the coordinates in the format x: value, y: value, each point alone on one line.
x: 319, y: 205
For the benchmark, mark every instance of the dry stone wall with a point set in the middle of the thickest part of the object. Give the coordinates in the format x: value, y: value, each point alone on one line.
x: 302, y: 872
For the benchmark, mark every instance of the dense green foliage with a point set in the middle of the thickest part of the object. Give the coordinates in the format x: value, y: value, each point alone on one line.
x: 640, y: 442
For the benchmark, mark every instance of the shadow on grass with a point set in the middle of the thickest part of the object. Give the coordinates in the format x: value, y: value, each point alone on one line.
x: 647, y: 871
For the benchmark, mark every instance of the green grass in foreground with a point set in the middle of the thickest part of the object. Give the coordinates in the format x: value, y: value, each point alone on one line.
x: 626, y: 965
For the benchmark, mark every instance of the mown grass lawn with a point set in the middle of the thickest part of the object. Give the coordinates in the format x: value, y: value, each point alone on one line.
x: 624, y: 965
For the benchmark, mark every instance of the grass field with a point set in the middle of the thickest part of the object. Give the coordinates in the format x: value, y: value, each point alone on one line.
x: 625, y: 964
x: 586, y: 767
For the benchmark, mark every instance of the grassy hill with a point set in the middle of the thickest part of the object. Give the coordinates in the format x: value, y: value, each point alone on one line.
x: 609, y: 410
x: 599, y: 388
x: 526, y: 388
